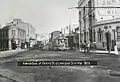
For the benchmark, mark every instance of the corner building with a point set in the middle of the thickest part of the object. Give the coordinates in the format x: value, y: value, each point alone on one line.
x: 93, y: 18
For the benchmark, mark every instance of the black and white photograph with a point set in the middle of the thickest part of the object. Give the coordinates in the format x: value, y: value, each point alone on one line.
x: 59, y: 40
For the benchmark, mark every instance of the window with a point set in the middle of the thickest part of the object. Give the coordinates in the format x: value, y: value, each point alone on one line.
x: 84, y: 23
x: 89, y: 3
x: 93, y: 19
x: 90, y: 20
x: 87, y: 37
x: 118, y: 33
x: 94, y: 36
x: 102, y: 35
x: 79, y: 15
x: 93, y: 3
x: 0, y: 33
x: 5, y: 33
x: 99, y: 35
x: 13, y: 32
x: 84, y: 10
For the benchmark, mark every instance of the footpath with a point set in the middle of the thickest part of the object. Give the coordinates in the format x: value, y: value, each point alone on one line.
x: 11, y: 52
x: 102, y: 52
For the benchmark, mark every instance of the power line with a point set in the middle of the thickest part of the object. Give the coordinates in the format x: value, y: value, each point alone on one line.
x: 94, y: 7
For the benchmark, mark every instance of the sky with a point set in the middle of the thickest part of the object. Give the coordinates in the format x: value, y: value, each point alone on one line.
x: 45, y: 15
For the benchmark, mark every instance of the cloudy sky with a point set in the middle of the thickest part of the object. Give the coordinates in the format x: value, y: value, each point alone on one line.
x: 45, y: 15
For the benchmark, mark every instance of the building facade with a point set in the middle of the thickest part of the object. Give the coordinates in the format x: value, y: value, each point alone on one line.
x: 53, y: 36
x: 93, y: 18
x: 30, y: 34
x: 12, y: 36
x: 17, y: 32
x: 99, y: 32
x: 90, y: 13
x: 86, y: 18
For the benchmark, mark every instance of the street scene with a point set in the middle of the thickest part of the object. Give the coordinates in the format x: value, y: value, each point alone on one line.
x: 62, y: 31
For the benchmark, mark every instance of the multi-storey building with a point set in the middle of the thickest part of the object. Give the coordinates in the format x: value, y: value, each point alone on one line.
x: 86, y: 18
x: 93, y: 16
x: 99, y: 32
x: 30, y: 31
x: 18, y: 31
x: 30, y: 34
x: 52, y: 38
x: 10, y: 33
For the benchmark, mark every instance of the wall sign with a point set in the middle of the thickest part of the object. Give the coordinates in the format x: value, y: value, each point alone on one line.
x: 108, y: 11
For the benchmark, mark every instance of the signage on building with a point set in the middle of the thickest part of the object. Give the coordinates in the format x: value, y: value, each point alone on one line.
x: 112, y: 7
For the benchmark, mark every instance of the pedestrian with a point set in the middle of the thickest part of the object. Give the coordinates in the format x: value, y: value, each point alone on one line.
x: 81, y: 45
x: 108, y: 32
x: 115, y: 47
x: 88, y: 46
x: 108, y: 41
x: 85, y: 46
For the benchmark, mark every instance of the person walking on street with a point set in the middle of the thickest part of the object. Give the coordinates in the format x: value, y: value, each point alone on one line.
x: 114, y: 47
x: 88, y: 46
x: 108, y: 38
x: 85, y: 46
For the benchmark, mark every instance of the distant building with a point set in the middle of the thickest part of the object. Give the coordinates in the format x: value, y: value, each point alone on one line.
x: 55, y: 34
x: 30, y: 34
x: 12, y: 33
x: 19, y: 32
x: 52, y: 37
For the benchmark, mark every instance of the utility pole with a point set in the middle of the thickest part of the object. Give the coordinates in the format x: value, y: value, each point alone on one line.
x: 70, y: 29
x: 64, y: 31
x: 79, y: 36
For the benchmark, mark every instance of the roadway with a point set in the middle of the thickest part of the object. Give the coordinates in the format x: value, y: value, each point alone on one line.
x: 10, y: 72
